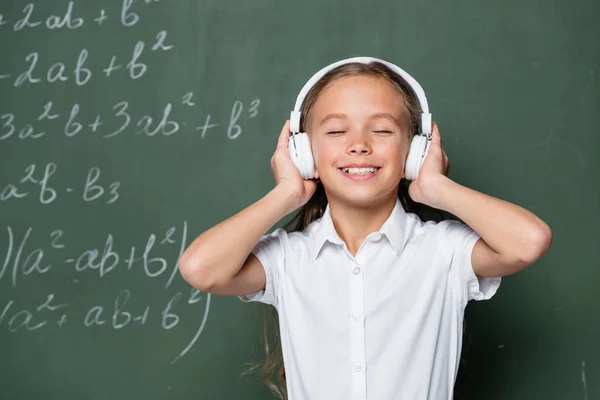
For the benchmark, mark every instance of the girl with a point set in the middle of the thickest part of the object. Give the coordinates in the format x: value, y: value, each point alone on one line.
x: 371, y: 285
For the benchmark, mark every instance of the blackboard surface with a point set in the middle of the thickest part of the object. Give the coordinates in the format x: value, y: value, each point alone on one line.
x: 127, y: 127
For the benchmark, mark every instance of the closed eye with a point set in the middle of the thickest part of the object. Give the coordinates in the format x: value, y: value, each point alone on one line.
x: 335, y: 132
x: 383, y: 131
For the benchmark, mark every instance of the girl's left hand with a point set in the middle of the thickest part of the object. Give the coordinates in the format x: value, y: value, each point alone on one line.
x: 433, y: 171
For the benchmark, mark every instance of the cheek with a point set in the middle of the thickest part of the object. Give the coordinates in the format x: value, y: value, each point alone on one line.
x: 395, y: 152
x: 321, y: 154
x: 400, y: 154
x: 401, y: 149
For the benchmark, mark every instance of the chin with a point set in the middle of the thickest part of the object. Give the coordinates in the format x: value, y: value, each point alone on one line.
x: 361, y: 194
x: 354, y: 197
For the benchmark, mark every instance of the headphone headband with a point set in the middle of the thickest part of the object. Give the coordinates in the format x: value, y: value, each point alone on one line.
x: 418, y: 90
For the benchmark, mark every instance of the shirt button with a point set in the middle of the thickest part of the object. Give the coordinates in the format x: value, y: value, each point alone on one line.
x: 356, y: 270
x: 355, y: 317
x: 357, y: 367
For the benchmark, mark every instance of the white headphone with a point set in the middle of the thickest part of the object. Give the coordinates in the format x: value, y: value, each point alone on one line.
x: 299, y: 145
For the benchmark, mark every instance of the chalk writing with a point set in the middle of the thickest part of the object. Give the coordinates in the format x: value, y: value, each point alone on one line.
x: 21, y: 261
x: 48, y: 273
x: 119, y: 115
x: 82, y: 73
x: 584, y: 381
x: 52, y: 22
x: 69, y: 18
x: 37, y: 181
x: 118, y: 315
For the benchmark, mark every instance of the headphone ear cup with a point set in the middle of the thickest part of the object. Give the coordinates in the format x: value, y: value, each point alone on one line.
x: 308, y: 166
x: 301, y: 154
x: 419, y: 147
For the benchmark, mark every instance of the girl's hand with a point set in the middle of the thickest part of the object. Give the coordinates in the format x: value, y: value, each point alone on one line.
x: 433, y: 171
x: 287, y: 175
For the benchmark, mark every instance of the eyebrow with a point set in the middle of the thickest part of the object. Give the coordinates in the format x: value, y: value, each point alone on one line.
x: 372, y: 116
x: 332, y: 116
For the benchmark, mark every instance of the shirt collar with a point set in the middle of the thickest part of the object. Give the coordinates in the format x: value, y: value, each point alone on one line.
x: 393, y: 229
x: 325, y: 231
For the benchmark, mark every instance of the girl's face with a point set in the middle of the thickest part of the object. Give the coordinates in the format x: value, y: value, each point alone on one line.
x: 360, y: 141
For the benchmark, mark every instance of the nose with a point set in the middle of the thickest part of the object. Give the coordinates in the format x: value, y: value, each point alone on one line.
x: 359, y: 143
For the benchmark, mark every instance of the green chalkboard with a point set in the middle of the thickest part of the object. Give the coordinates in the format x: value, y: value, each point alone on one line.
x: 127, y: 127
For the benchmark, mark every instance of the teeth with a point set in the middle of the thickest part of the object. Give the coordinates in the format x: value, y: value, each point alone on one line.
x: 359, y: 170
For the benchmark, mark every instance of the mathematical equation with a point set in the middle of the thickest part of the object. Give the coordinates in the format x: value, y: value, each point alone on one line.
x: 75, y: 103
x: 31, y: 19
x: 21, y: 261
x: 70, y: 125
x: 117, y: 314
x: 36, y: 181
x: 157, y: 258
x: 82, y: 73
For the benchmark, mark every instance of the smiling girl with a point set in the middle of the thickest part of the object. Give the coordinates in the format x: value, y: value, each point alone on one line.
x: 369, y: 285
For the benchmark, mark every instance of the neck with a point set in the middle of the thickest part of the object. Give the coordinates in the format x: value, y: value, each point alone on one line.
x: 353, y: 224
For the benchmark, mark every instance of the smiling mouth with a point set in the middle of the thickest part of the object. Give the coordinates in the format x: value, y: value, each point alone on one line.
x: 360, y: 171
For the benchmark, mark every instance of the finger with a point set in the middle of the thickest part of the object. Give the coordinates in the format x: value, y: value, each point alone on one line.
x: 435, y: 134
x: 282, y: 142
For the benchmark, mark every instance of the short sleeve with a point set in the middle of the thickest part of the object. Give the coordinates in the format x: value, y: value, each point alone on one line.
x: 471, y: 286
x: 270, y: 252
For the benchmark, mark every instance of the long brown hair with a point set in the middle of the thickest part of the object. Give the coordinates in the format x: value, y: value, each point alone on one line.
x: 272, y: 369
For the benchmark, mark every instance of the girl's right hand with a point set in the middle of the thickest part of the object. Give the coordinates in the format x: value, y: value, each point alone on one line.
x: 287, y: 175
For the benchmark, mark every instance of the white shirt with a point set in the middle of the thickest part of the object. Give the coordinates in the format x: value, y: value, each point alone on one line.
x: 386, y: 324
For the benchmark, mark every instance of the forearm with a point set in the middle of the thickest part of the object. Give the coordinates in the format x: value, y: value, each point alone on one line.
x: 218, y: 253
x: 512, y: 231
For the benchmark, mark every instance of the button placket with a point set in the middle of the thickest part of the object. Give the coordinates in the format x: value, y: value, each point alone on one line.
x: 357, y: 333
